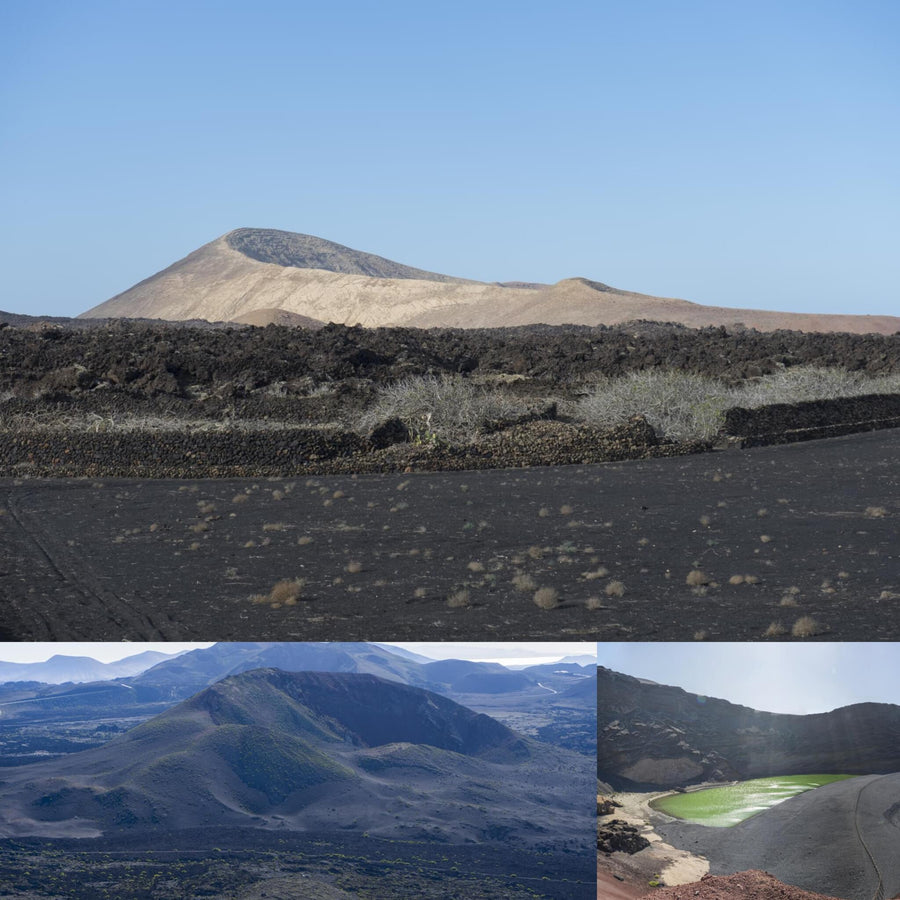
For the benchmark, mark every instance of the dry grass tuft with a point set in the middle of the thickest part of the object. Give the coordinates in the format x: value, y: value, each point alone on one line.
x: 475, y: 567
x: 695, y: 578
x: 354, y: 566
x: 459, y: 598
x: 546, y: 598
x: 304, y: 540
x: 274, y: 526
x: 200, y: 527
x: 615, y: 589
x: 701, y: 635
x: 806, y: 626
x: 240, y: 498
x: 736, y: 579
x: 776, y: 629
x: 600, y: 572
x: 594, y: 603
x: 524, y: 583
x: 284, y: 593
x: 875, y: 512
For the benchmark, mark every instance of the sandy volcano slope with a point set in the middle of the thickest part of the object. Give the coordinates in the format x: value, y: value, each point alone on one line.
x: 253, y: 275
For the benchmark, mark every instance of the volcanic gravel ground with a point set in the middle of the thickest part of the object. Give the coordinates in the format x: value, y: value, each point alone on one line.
x: 842, y: 839
x: 380, y: 555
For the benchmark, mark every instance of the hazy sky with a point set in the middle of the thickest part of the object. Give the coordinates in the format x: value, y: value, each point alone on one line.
x: 738, y: 153
x: 509, y: 652
x: 791, y: 678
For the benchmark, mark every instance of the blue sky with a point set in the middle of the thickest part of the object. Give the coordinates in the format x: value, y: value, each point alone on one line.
x: 783, y: 677
x: 733, y: 153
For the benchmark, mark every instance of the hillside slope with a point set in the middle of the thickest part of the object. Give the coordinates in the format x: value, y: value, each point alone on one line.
x: 311, y: 751
x: 656, y: 736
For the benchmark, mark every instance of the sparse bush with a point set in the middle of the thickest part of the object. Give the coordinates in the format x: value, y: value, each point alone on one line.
x: 546, y: 598
x: 679, y: 405
x: 684, y: 406
x: 776, y: 629
x: 806, y: 626
x: 459, y: 598
x: 615, y: 589
x: 524, y: 583
x: 287, y: 591
x: 449, y: 408
x: 695, y: 578
x: 799, y: 383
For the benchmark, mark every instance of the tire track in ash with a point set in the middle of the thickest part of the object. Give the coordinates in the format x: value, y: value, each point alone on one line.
x: 879, y: 888
x: 67, y: 572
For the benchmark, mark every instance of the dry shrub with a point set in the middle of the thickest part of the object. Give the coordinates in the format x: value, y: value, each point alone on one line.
x: 354, y: 566
x: 776, y: 629
x: 600, y: 572
x: 736, y: 579
x: 695, y: 578
x: 524, y: 583
x: 875, y: 512
x: 546, y: 598
x: 594, y: 603
x: 304, y: 540
x: 459, y: 598
x: 615, y: 589
x: 286, y: 591
x: 806, y: 626
x: 475, y: 567
x: 200, y: 527
x: 274, y: 526
x: 240, y: 498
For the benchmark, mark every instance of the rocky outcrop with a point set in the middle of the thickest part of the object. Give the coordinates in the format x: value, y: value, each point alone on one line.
x: 655, y: 736
x: 618, y: 835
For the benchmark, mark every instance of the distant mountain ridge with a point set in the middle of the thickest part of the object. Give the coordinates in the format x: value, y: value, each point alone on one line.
x: 35, y: 717
x: 657, y: 736
x: 60, y: 669
x: 260, y: 275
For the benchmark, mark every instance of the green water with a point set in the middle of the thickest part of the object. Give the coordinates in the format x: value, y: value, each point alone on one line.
x: 722, y: 807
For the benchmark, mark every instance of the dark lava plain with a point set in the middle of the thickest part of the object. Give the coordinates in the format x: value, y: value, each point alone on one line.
x: 840, y: 839
x: 245, y: 864
x: 460, y: 555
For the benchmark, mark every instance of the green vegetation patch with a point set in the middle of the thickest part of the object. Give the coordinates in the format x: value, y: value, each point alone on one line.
x: 722, y: 807
x: 272, y: 762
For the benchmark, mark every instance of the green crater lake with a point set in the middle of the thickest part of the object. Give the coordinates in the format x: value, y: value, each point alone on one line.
x: 722, y: 807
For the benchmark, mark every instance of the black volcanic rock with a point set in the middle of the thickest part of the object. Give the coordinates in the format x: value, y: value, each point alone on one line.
x: 656, y: 736
x: 305, y: 251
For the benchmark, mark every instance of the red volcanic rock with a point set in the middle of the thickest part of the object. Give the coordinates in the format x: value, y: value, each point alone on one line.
x: 752, y: 885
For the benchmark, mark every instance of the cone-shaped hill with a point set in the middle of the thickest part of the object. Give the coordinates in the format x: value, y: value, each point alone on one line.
x: 261, y: 275
x: 311, y: 751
